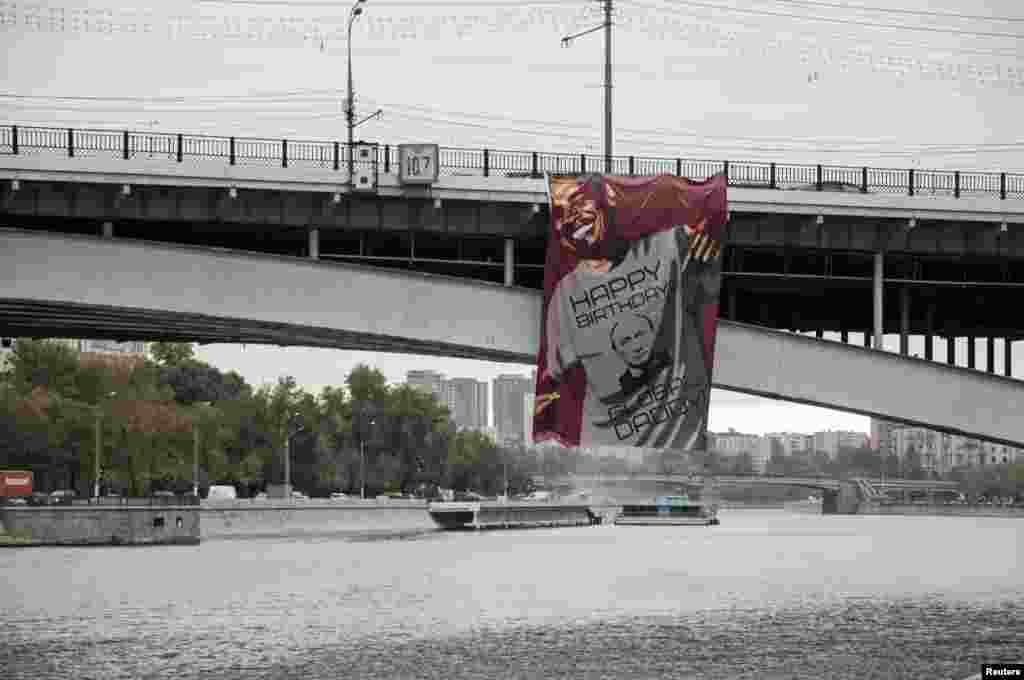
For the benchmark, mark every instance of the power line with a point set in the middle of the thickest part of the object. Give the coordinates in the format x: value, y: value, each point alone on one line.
x: 904, y: 12
x: 847, y: 22
x: 390, y: 3
x: 536, y: 126
x: 753, y: 23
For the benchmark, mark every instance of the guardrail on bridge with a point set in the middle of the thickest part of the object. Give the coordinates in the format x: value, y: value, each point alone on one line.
x: 181, y: 147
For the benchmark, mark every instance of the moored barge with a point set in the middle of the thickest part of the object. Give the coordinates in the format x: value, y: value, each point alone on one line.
x: 670, y: 511
x: 500, y: 515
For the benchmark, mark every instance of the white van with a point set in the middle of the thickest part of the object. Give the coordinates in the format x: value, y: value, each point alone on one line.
x: 222, y: 492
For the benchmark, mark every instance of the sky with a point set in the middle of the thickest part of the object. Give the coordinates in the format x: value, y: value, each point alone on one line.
x: 900, y: 83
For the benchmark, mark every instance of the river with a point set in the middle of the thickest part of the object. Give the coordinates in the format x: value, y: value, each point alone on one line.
x: 765, y: 595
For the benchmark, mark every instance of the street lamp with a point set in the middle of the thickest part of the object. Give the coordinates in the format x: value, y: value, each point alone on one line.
x: 607, y: 26
x: 292, y: 428
x: 362, y: 461
x: 350, y: 112
x: 99, y: 447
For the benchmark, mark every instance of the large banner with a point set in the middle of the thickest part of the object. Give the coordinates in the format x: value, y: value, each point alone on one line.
x: 631, y: 289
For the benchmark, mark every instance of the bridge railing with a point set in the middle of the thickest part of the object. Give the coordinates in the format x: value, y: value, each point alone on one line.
x: 18, y: 139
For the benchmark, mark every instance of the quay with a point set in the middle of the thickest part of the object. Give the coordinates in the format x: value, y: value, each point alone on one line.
x: 131, y: 522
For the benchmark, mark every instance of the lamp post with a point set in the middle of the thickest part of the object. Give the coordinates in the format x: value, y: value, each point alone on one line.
x: 350, y: 109
x: 362, y: 460
x: 607, y: 26
x: 99, y: 447
x: 293, y: 426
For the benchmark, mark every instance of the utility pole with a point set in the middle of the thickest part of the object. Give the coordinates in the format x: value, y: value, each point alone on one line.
x: 96, y: 457
x: 607, y: 26
x: 608, y: 86
x: 195, y: 460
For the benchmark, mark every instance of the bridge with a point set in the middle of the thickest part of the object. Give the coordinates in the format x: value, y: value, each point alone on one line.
x: 175, y: 202
x: 856, y: 251
x: 874, y: 486
x: 88, y: 286
x: 839, y: 496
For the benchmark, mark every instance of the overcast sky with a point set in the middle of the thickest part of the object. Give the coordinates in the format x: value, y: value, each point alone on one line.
x: 906, y: 83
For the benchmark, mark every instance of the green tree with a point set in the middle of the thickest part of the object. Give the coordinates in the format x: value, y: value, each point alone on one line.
x: 44, y: 363
x: 171, y: 353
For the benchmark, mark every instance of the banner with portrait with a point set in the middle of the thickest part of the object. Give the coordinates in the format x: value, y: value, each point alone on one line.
x: 631, y: 287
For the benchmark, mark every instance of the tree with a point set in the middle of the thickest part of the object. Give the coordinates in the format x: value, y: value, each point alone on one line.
x: 194, y: 381
x: 44, y: 363
x: 171, y: 353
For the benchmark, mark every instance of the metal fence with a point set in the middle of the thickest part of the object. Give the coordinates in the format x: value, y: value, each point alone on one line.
x: 181, y: 148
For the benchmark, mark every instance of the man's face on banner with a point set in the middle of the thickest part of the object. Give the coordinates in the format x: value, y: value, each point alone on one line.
x: 583, y: 225
x: 633, y: 340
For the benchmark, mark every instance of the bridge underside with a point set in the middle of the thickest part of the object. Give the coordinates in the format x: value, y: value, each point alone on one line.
x: 60, y: 285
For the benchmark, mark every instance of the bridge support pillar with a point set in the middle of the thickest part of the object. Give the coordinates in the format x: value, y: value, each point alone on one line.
x: 990, y: 354
x: 1007, y: 358
x: 314, y: 244
x: 970, y: 351
x: 844, y: 501
x: 877, y: 307
x: 108, y: 230
x: 951, y: 350
x: 510, y: 261
x: 904, y: 320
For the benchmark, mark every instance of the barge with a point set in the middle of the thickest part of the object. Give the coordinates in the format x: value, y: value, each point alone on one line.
x: 515, y: 515
x: 670, y: 511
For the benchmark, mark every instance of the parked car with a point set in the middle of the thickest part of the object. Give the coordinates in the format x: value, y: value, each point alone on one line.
x: 63, y: 497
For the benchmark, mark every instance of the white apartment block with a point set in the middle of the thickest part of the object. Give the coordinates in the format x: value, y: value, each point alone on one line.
x: 940, y: 452
x: 831, y: 442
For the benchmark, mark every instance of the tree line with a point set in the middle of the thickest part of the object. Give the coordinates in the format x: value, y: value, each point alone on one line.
x: 152, y: 416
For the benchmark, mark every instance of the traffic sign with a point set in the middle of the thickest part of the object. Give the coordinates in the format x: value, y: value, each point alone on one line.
x: 418, y: 163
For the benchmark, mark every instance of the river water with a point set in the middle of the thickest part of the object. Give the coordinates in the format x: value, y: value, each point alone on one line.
x: 765, y: 595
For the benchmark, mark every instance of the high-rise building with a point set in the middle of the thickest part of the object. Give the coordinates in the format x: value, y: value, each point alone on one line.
x: 791, y: 442
x: 467, y: 401
x: 881, y: 437
x: 733, y: 444
x: 830, y: 442
x: 509, y: 406
x: 429, y: 381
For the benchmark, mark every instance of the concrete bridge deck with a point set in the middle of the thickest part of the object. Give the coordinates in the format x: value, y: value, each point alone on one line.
x: 59, y: 285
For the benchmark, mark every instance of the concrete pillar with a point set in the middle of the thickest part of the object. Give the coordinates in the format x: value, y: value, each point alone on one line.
x: 819, y: 333
x: 867, y: 338
x: 314, y: 244
x: 904, y: 320
x: 108, y: 230
x: 1007, y: 358
x: 844, y: 335
x: 877, y: 283
x: 731, y: 301
x: 990, y: 354
x: 970, y: 351
x: 510, y: 261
